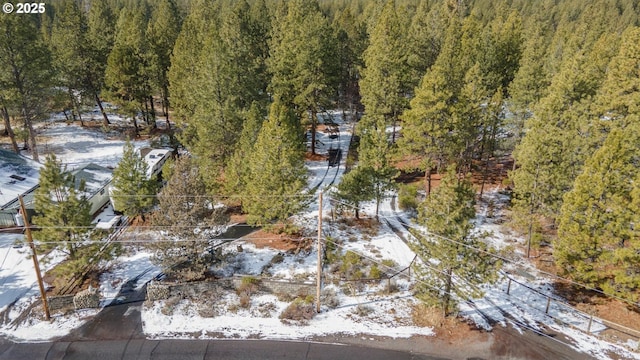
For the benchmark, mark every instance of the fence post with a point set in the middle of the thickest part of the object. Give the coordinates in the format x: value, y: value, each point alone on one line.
x: 546, y: 311
x: 509, y: 286
x: 589, y: 326
x: 388, y: 285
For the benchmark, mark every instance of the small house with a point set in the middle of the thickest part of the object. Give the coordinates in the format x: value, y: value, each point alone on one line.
x: 18, y: 176
x: 96, y: 181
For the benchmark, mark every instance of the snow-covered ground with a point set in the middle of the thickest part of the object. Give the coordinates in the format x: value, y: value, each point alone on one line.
x: 368, y: 311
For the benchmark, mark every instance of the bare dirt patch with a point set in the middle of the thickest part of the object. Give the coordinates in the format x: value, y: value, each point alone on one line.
x: 315, y: 157
x: 284, y: 242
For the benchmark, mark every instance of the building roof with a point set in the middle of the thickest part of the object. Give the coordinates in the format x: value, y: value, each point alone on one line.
x: 95, y: 177
x: 18, y: 175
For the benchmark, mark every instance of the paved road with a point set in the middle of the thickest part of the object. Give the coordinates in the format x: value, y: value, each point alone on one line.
x: 196, y: 349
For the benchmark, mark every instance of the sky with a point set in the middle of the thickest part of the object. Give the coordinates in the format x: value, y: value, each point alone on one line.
x: 368, y: 311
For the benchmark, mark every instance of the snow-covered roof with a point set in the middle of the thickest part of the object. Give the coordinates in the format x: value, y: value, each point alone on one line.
x: 94, y: 176
x: 154, y: 157
x: 18, y: 175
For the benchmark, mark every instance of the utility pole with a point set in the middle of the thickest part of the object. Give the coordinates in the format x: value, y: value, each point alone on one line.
x: 319, y: 271
x: 34, y: 256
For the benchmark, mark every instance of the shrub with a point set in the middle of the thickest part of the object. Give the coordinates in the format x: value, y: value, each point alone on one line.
x: 329, y: 298
x: 245, y: 301
x: 248, y: 286
x: 362, y: 310
x: 350, y: 260
x: 299, y: 311
x: 408, y: 197
x: 374, y: 272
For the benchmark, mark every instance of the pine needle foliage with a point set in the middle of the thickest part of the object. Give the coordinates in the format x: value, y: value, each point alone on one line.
x: 451, y: 271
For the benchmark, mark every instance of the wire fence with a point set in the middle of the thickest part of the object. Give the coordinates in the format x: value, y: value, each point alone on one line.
x: 565, y: 314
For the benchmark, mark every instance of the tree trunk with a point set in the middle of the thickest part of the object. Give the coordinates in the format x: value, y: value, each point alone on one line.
x: 9, y: 130
x: 105, y: 122
x: 393, y: 134
x: 447, y: 291
x: 32, y: 132
x: 75, y: 104
x: 484, y: 175
x: 135, y: 126
x: 314, y: 125
x: 153, y: 113
x: 427, y: 177
x: 165, y: 106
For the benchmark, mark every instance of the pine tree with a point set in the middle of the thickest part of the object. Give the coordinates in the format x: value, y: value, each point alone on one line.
x: 451, y: 267
x: 100, y: 38
x: 132, y: 192
x: 597, y: 241
x: 238, y: 170
x: 217, y: 73
x: 426, y: 34
x: 25, y: 73
x: 558, y: 140
x: 162, y: 31
x: 64, y: 211
x: 386, y: 76
x: 429, y: 127
x: 351, y: 38
x: 373, y: 157
x: 70, y: 48
x: 303, y: 61
x: 620, y: 93
x: 277, y: 175
x: 355, y: 187
x: 186, y: 216
x: 128, y: 72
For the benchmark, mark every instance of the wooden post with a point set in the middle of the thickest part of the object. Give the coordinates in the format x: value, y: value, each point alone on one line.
x: 34, y: 256
x: 509, y: 287
x: 590, y: 321
x: 319, y: 271
x: 546, y: 311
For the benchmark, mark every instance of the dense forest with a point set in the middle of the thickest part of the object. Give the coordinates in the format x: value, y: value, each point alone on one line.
x: 554, y: 83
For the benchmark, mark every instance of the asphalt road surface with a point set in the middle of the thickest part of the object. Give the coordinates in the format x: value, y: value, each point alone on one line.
x: 196, y: 349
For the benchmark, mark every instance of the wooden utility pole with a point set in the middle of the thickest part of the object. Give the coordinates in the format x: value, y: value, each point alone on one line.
x: 34, y: 256
x: 319, y: 271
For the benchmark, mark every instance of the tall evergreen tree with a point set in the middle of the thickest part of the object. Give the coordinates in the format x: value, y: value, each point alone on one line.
x: 132, y: 192
x: 128, y: 72
x: 597, y: 241
x: 70, y: 48
x: 620, y: 93
x: 277, y: 175
x: 64, y: 212
x: 373, y: 157
x: 303, y: 61
x: 351, y: 38
x: 238, y: 170
x: 213, y: 96
x: 386, y: 76
x: 100, y: 37
x: 431, y: 127
x: 451, y: 267
x: 63, y: 219
x: 162, y: 31
x: 25, y: 73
